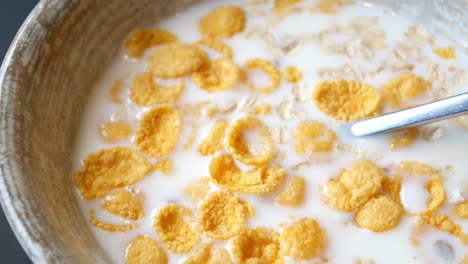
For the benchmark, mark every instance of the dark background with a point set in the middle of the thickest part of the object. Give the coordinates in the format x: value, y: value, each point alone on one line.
x: 12, y: 15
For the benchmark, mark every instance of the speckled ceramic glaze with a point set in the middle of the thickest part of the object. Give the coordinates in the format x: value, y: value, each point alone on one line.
x: 59, y: 53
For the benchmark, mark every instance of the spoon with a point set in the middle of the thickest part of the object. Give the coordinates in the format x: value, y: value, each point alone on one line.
x: 415, y: 116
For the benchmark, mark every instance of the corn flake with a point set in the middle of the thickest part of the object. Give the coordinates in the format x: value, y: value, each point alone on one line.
x: 108, y: 227
x: 292, y: 74
x: 145, y: 250
x: 225, y: 21
x: 220, y: 256
x: 222, y: 215
x: 146, y: 92
x: 404, y: 139
x: 176, y: 60
x: 392, y: 187
x: 250, y: 154
x: 217, y: 75
x: 379, y: 214
x: 446, y: 224
x: 123, y: 203
x: 405, y: 87
x: 159, y: 131
x: 461, y: 209
x: 142, y: 39
x: 262, y: 180
x: 164, y: 166
x: 447, y: 53
x: 294, y: 193
x: 354, y: 186
x: 330, y: 6
x: 259, y: 245
x: 175, y: 232
x: 217, y: 45
x: 202, y: 255
x: 115, y: 131
x: 281, y: 5
x: 347, y: 100
x: 261, y: 109
x: 198, y: 189
x: 268, y: 68
x: 114, y: 93
x: 214, y: 141
x: 110, y: 169
x: 304, y: 239
x: 313, y: 136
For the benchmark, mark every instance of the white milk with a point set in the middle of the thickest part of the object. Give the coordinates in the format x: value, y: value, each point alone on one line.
x: 347, y: 242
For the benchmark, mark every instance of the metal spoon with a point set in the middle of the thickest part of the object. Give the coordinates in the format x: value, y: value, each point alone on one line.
x: 416, y: 116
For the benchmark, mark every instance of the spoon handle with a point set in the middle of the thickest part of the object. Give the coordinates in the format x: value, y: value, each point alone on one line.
x: 416, y: 116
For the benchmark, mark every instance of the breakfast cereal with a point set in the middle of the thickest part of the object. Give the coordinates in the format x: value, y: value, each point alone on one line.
x: 146, y: 92
x: 217, y: 75
x: 125, y: 204
x: 145, y: 250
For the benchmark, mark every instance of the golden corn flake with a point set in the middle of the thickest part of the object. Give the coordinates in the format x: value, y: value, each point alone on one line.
x: 123, y: 203
x: 292, y: 74
x: 220, y: 256
x: 216, y: 45
x: 330, y: 6
x: 261, y: 109
x: 259, y: 245
x: 142, y: 39
x: 115, y: 131
x: 223, y: 22
x: 108, y: 227
x: 217, y: 75
x: 176, y: 60
x: 405, y: 87
x: 214, y: 141
x: 164, y: 166
x: 110, y: 169
x: 202, y: 255
x: 435, y: 186
x: 446, y: 224
x: 262, y: 180
x: 404, y: 139
x: 294, y: 193
x: 268, y: 68
x: 222, y: 215
x: 392, y: 187
x: 304, y: 240
x: 257, y: 153
x: 198, y: 189
x: 379, y: 214
x: 354, y: 186
x: 313, y: 136
x: 114, y: 93
x: 461, y: 209
x: 281, y: 5
x: 159, y: 131
x: 175, y: 232
x: 347, y: 100
x: 447, y: 53
x: 146, y: 92
x: 145, y: 250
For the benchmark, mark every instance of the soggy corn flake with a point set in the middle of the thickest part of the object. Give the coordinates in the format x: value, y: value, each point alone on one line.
x: 159, y: 131
x: 114, y: 92
x: 110, y: 169
x: 164, y: 166
x: 461, y: 209
x: 447, y: 53
x: 292, y: 74
x: 435, y: 186
x: 354, y: 186
x: 268, y: 68
x: 142, y: 39
x: 294, y: 193
x: 214, y: 140
x: 261, y: 109
x: 217, y: 45
x: 313, y: 136
x: 217, y: 75
x: 172, y: 225
x: 379, y: 214
x: 198, y: 189
x: 242, y: 150
x: 115, y: 131
x: 146, y: 92
x: 108, y: 227
x: 404, y: 139
x: 346, y: 100
x: 304, y: 239
x: 123, y: 203
x: 406, y: 87
x: 259, y: 245
x: 176, y: 60
x: 446, y: 224
x: 261, y: 180
x: 143, y: 249
x: 222, y: 215
x: 223, y: 22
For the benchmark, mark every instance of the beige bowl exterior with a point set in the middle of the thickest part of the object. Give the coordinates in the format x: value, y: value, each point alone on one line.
x: 62, y: 49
